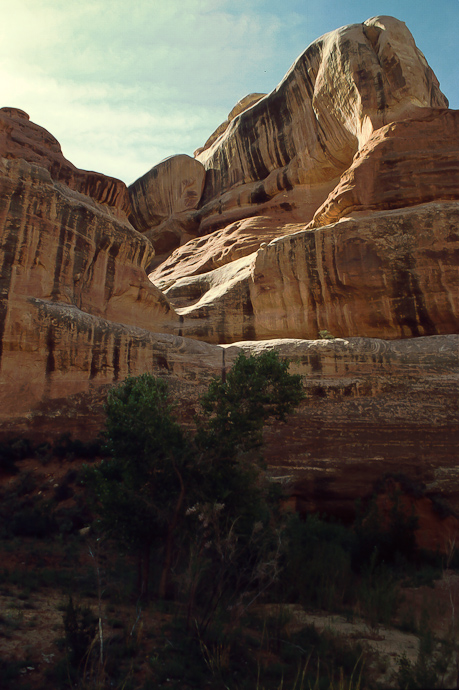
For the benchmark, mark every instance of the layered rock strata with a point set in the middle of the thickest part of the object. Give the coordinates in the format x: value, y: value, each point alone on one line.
x: 329, y: 204
x: 371, y: 407
x: 391, y: 274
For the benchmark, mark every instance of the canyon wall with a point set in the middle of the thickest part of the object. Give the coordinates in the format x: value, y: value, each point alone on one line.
x: 329, y: 205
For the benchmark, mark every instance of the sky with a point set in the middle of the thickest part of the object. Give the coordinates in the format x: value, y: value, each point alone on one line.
x: 123, y: 85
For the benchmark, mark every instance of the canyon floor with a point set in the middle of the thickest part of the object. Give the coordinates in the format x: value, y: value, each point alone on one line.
x: 369, y: 642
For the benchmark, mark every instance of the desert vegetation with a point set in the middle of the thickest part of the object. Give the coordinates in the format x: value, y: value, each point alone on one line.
x: 163, y: 556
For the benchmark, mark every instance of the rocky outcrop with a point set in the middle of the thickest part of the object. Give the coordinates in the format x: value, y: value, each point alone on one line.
x: 204, y: 254
x: 403, y: 164
x: 346, y: 84
x: 21, y: 138
x: 68, y: 260
x: 392, y: 274
x: 328, y: 205
x: 244, y: 104
x: 284, y: 153
x: 58, y: 362
x: 61, y: 246
x: 162, y: 199
x: 371, y: 406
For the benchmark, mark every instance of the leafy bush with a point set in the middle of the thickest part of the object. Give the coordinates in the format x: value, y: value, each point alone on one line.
x: 160, y: 476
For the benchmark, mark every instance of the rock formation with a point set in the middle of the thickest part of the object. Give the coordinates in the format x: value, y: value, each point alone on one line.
x: 20, y: 138
x: 330, y: 204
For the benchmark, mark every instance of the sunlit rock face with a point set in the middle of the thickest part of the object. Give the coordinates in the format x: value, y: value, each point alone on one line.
x: 282, y: 154
x: 361, y: 121
x: 65, y: 256
x: 21, y: 138
x: 345, y: 85
x: 403, y: 164
x: 330, y: 204
x: 392, y: 274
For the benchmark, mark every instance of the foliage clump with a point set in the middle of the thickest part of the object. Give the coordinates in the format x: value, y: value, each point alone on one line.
x: 161, y: 477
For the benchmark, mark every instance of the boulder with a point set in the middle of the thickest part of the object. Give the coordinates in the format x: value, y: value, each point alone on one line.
x: 403, y: 164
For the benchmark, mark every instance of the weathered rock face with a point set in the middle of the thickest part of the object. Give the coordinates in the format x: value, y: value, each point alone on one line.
x: 402, y: 164
x: 221, y: 247
x: 284, y: 152
x: 58, y: 361
x: 392, y: 274
x: 61, y: 246
x: 162, y: 200
x: 245, y: 103
x: 389, y: 275
x: 372, y: 407
x: 66, y: 256
x: 330, y: 204
x: 20, y: 138
x: 346, y: 84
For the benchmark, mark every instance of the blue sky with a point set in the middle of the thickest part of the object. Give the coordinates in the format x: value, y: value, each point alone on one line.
x: 123, y: 85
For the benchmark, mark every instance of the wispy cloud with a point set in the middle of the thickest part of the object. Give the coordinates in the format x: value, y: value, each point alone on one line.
x: 125, y: 84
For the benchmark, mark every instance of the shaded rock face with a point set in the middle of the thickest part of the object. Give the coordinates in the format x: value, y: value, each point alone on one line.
x: 162, y: 199
x: 329, y: 204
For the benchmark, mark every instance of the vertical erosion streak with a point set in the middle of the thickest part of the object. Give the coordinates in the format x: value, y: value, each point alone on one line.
x: 14, y: 216
x: 58, y: 261
x: 410, y: 310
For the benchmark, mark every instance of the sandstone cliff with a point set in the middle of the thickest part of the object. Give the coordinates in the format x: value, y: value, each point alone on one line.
x: 329, y: 204
x: 285, y: 152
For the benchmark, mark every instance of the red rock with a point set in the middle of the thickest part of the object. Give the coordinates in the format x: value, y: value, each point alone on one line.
x: 403, y: 164
x: 21, y: 138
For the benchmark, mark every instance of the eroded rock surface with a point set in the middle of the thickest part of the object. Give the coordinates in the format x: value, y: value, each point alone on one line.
x: 403, y: 164
x: 329, y: 204
x: 21, y: 138
x: 163, y: 198
x: 346, y: 84
x: 285, y: 152
x: 390, y: 274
